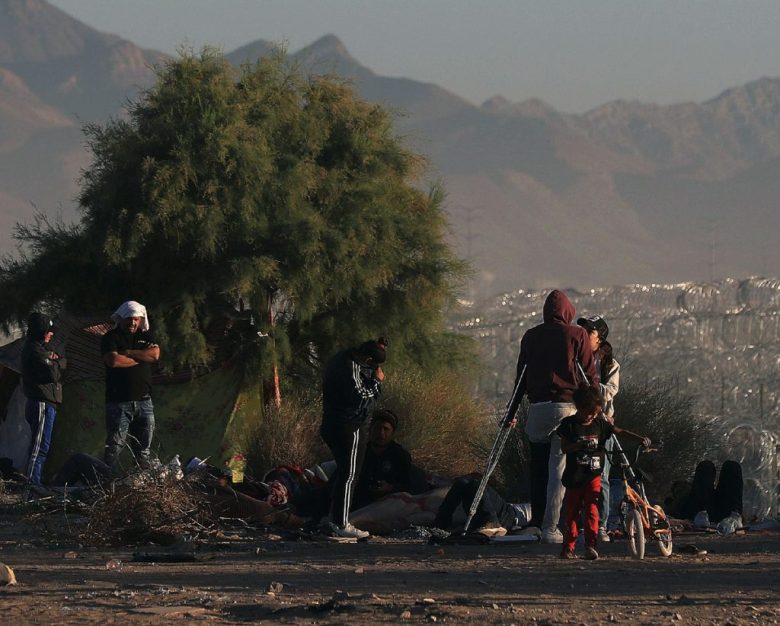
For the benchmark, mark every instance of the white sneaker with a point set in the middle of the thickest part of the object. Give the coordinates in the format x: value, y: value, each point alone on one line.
x: 604, y: 536
x: 552, y: 535
x: 349, y: 531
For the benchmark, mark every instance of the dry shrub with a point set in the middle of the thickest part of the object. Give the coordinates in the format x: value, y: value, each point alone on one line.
x: 440, y: 423
x: 146, y: 508
x: 670, y: 419
x: 289, y: 434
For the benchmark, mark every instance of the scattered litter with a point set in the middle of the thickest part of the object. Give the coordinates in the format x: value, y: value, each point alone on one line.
x: 359, y: 570
x: 689, y: 548
x: 113, y: 564
x: 275, y: 587
x: 406, y: 615
x: 70, y: 555
x: 163, y: 557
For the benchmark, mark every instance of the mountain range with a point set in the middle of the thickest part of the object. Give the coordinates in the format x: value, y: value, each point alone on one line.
x: 628, y: 192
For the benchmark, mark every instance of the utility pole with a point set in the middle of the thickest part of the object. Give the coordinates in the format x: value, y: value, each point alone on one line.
x: 711, y: 226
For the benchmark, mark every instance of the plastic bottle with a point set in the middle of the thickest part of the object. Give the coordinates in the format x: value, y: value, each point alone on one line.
x: 236, y: 465
x: 729, y: 525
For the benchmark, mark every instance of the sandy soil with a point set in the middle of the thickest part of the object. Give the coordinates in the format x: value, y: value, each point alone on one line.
x: 263, y: 578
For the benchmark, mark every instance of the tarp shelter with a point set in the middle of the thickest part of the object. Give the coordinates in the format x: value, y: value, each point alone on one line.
x: 195, y: 415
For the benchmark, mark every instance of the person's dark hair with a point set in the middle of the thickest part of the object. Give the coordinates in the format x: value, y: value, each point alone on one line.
x: 605, y: 353
x: 38, y: 325
x: 587, y: 399
x: 385, y: 415
x: 373, y: 351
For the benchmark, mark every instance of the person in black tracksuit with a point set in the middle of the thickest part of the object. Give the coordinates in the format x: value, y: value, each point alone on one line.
x: 42, y: 370
x: 350, y: 386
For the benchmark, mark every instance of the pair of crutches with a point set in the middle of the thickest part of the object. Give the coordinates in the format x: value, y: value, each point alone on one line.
x: 504, y: 430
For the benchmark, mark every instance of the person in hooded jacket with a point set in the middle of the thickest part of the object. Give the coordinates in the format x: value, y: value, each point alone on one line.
x: 351, y: 383
x: 42, y: 370
x: 553, y: 356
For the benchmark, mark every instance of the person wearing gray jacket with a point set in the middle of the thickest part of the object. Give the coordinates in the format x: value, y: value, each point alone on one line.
x: 609, y: 371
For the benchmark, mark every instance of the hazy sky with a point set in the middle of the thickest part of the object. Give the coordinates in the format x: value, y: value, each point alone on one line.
x: 574, y: 54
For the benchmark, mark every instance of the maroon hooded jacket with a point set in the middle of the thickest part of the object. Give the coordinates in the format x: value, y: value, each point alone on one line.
x: 549, y: 354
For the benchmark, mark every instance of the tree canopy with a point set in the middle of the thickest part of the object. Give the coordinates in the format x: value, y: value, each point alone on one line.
x: 258, y: 185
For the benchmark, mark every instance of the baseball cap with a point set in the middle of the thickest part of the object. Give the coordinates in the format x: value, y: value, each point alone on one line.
x: 595, y: 322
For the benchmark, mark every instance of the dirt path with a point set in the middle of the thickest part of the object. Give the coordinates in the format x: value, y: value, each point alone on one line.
x: 304, y: 582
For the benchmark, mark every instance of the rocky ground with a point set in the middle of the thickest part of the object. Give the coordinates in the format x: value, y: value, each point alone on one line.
x: 245, y: 576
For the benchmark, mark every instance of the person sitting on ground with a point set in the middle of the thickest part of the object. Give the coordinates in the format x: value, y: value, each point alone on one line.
x: 706, y: 502
x: 387, y: 466
x: 494, y: 515
x: 583, y: 436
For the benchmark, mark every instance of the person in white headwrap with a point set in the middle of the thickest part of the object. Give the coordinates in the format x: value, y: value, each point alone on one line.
x: 129, y: 351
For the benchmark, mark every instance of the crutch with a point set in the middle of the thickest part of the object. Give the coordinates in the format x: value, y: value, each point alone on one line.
x: 495, y: 453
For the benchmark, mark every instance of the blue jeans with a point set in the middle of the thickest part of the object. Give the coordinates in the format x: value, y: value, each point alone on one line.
x: 604, y: 497
x: 40, y: 416
x: 543, y: 419
x: 134, y: 419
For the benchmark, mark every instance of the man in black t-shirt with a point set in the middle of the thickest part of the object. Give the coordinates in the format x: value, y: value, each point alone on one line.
x: 583, y: 436
x: 128, y: 352
x: 387, y: 466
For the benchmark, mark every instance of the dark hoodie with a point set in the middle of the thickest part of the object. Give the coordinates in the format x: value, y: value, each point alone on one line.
x: 550, y: 352
x: 41, y: 369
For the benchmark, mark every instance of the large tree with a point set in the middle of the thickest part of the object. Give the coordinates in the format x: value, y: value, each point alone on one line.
x: 261, y: 185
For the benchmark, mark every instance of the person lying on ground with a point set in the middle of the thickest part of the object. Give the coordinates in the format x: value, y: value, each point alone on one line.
x: 494, y: 515
x: 387, y: 466
x: 583, y: 436
x: 82, y: 470
x: 249, y: 500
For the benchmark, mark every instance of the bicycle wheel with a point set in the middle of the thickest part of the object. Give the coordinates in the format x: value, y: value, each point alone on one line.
x: 635, y: 533
x: 663, y: 532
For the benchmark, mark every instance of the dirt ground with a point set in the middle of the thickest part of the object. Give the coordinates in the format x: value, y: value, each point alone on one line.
x: 249, y: 577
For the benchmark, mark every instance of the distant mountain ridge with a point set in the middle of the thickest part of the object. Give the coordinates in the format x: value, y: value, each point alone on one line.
x: 626, y: 192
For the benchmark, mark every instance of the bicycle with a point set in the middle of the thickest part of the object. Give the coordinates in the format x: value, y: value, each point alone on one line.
x: 641, y: 520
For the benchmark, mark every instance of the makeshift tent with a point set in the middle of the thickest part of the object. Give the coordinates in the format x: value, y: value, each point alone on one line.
x: 195, y: 415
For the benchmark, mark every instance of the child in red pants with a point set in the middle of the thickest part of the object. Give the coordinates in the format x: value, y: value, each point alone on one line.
x: 583, y: 436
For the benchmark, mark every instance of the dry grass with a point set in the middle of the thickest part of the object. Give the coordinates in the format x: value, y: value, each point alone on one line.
x: 290, y: 434
x: 440, y: 423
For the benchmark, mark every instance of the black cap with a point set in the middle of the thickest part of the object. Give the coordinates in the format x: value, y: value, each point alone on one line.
x: 38, y: 325
x: 385, y: 415
x: 597, y: 323
x: 373, y: 350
